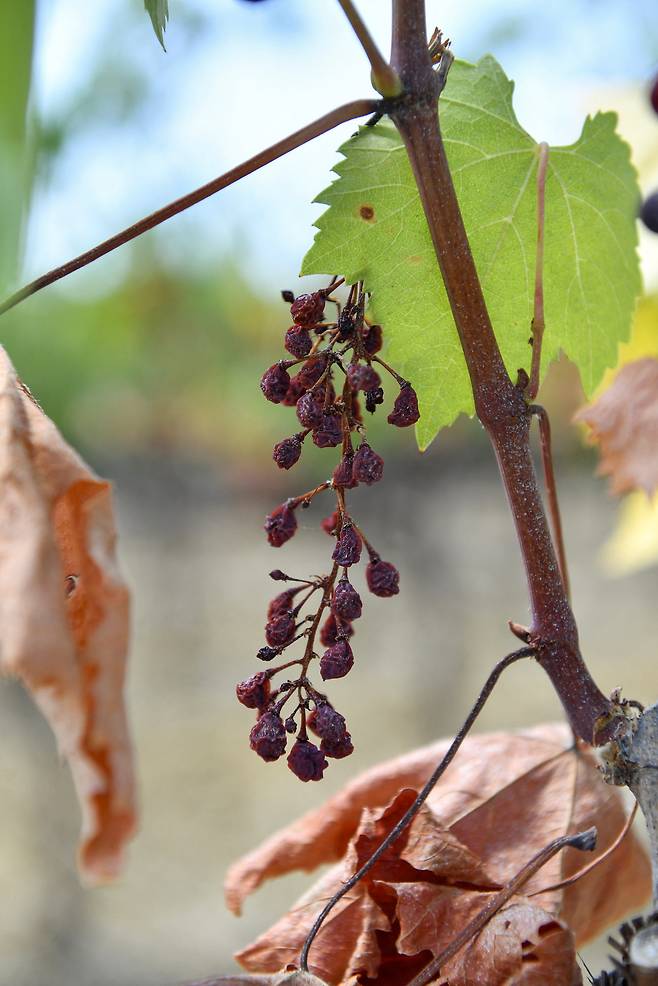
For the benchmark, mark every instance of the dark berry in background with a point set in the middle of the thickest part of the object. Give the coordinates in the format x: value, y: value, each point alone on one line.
x: 653, y: 94
x: 649, y: 212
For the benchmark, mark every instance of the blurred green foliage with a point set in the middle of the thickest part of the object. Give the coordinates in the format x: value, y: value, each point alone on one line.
x: 16, y: 41
x: 169, y: 362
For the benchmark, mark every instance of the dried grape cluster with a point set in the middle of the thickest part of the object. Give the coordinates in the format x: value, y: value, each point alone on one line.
x: 337, y: 362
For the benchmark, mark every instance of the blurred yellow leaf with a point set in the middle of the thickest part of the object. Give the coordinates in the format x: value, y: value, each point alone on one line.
x: 643, y: 340
x: 634, y: 542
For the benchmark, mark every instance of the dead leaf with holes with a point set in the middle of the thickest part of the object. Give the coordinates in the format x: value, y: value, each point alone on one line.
x: 64, y: 614
x: 503, y: 799
x: 623, y: 421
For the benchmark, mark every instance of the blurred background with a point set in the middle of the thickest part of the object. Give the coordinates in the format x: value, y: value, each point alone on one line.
x: 150, y: 361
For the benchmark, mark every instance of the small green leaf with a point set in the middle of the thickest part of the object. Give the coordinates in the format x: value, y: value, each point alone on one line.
x: 158, y: 11
x: 591, y: 271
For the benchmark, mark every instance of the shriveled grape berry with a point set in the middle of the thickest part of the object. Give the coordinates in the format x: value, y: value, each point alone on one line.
x: 308, y: 309
x: 268, y: 737
x: 278, y: 576
x: 330, y: 524
x: 346, y: 322
x: 267, y: 653
x: 327, y: 723
x: 280, y: 525
x: 333, y: 630
x: 291, y: 725
x: 336, y: 661
x: 649, y: 212
x: 329, y: 433
x: 405, y: 410
x: 281, y: 603
x: 298, y: 341
x: 312, y: 370
x: 255, y: 691
x: 373, y: 398
x: 287, y: 452
x: 362, y: 377
x: 280, y: 630
x: 348, y: 546
x: 373, y: 340
x: 337, y: 749
x: 306, y: 761
x: 368, y: 466
x: 293, y: 393
x: 383, y: 578
x: 310, y: 409
x: 275, y: 383
x: 343, y: 474
x: 346, y: 601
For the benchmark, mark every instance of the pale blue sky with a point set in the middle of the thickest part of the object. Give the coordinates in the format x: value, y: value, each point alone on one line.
x: 238, y: 76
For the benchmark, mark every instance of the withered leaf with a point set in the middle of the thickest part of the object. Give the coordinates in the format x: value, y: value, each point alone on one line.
x: 624, y: 423
x: 504, y: 798
x: 64, y: 615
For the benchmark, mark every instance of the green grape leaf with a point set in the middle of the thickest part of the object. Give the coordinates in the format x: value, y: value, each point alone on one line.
x: 158, y: 11
x: 375, y: 231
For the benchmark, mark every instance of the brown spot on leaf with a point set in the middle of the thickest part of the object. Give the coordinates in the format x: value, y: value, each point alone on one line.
x: 368, y: 213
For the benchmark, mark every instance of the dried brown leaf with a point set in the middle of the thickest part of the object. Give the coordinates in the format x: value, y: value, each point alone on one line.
x: 322, y: 835
x: 624, y: 423
x: 64, y: 614
x: 505, y: 797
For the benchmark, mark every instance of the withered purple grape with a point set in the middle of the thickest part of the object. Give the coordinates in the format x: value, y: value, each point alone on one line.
x: 337, y: 749
x: 343, y: 475
x: 348, y: 546
x: 298, y: 341
x: 255, y: 691
x: 374, y: 340
x: 327, y: 723
x: 362, y: 377
x: 306, y: 761
x: 346, y: 601
x: 329, y: 433
x: 368, y: 466
x: 287, y: 452
x: 310, y: 409
x: 275, y: 382
x: 280, y: 629
x: 405, y: 410
x: 268, y: 737
x: 336, y: 661
x: 280, y: 525
x: 308, y: 309
x: 333, y: 630
x: 383, y: 578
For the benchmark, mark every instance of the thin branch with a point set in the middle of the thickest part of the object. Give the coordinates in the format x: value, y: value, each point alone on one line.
x: 585, y: 841
x: 551, y: 492
x: 420, y: 799
x: 575, y: 877
x: 349, y: 111
x: 384, y: 78
x: 538, y: 317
